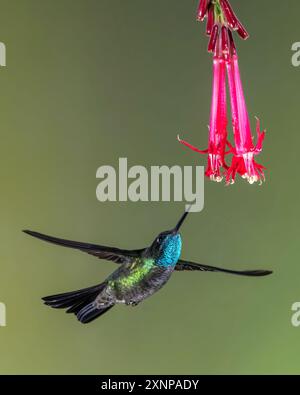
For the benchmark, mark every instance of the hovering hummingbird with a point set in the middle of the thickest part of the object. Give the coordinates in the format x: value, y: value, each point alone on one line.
x: 141, y: 273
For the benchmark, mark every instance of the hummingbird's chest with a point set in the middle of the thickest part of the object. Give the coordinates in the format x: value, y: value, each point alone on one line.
x: 139, y: 280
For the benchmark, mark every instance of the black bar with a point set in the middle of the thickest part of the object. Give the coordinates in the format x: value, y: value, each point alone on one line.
x: 131, y: 384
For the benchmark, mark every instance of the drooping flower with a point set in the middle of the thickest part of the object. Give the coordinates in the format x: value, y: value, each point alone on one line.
x: 218, y: 120
x: 244, y: 151
x: 221, y: 21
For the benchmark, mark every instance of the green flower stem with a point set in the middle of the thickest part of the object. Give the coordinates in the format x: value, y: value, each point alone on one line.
x: 219, y: 16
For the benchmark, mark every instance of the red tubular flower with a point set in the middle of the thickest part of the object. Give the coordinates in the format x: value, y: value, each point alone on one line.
x: 213, y: 39
x: 221, y: 21
x: 202, y: 9
x: 229, y: 14
x: 231, y: 43
x: 218, y: 124
x: 243, y: 154
x: 225, y: 42
x: 242, y: 31
x: 210, y: 20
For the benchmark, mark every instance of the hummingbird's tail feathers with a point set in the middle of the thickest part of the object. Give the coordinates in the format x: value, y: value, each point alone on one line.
x: 92, y: 311
x: 81, y: 303
x: 74, y: 301
x: 191, y: 266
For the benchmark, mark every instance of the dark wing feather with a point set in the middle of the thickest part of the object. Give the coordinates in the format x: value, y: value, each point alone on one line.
x: 109, y: 253
x: 184, y: 265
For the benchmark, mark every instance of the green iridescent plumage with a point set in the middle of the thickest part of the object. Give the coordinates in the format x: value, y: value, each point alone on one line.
x: 137, y: 272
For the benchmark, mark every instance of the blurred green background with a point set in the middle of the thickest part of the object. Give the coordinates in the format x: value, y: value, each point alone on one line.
x: 89, y: 81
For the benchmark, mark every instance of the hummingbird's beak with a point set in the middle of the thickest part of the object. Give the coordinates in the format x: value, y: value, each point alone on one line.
x: 181, y: 221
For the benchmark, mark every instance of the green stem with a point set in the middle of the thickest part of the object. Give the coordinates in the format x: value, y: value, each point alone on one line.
x: 219, y: 16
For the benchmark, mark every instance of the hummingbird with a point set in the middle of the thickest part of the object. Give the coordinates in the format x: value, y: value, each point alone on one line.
x: 140, y: 274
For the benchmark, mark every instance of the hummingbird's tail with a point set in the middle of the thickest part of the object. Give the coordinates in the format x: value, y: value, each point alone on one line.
x: 81, y: 303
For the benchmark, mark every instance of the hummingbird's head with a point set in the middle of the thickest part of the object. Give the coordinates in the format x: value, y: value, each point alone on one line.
x: 166, y: 248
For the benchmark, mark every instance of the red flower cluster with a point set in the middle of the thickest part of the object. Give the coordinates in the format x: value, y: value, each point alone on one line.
x: 221, y: 21
x: 220, y: 8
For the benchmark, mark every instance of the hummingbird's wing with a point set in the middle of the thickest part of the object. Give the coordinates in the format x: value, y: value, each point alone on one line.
x: 109, y: 253
x: 184, y: 265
